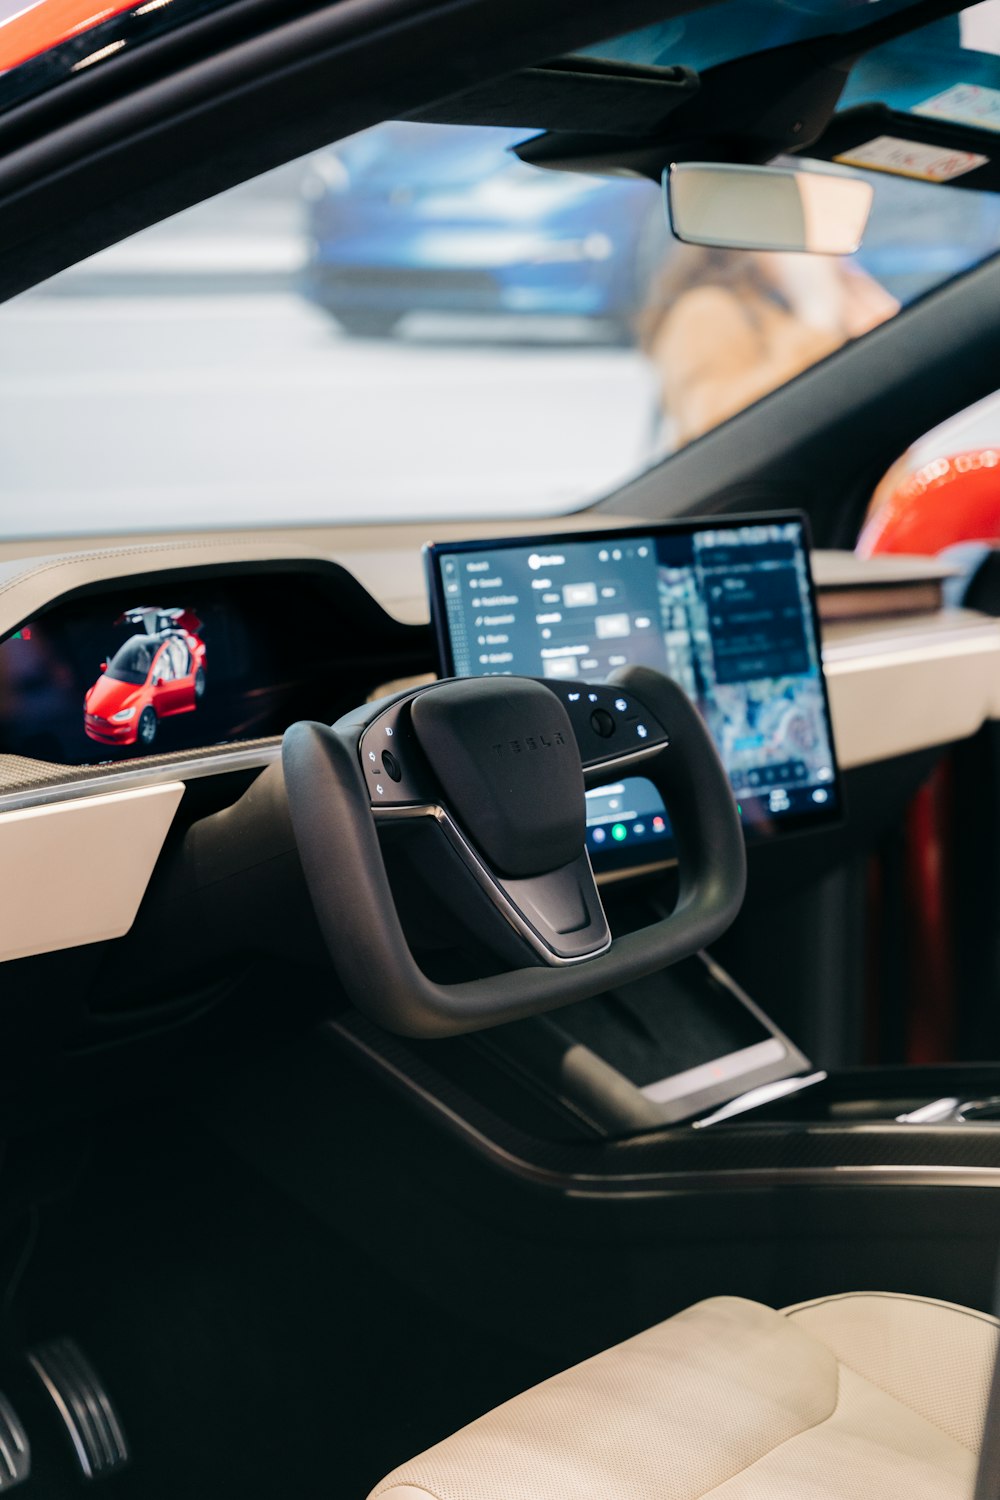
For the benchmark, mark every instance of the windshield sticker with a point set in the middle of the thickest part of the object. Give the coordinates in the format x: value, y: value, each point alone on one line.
x: 886, y: 153
x: 964, y: 104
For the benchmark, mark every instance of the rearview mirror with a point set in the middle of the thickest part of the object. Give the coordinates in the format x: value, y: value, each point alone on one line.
x: 766, y: 208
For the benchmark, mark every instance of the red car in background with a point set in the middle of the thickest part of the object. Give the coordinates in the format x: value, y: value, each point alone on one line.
x: 158, y: 672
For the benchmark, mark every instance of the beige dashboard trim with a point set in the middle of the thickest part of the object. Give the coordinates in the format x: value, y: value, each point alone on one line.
x: 911, y: 683
x: 75, y: 872
x: 385, y: 559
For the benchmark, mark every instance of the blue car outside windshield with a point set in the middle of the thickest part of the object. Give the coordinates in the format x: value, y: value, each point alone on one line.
x: 413, y: 218
x: 399, y: 154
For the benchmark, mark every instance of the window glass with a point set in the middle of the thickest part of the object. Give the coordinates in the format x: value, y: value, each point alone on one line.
x: 415, y: 325
x: 164, y: 667
x: 948, y: 70
x: 178, y: 654
x: 131, y: 662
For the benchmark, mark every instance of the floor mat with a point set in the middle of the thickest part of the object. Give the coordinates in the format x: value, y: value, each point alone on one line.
x: 251, y: 1352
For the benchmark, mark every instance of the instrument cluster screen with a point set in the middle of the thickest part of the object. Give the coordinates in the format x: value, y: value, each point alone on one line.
x: 171, y: 667
x: 727, y: 610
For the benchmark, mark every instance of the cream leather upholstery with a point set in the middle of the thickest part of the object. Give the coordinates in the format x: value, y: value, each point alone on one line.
x: 862, y: 1397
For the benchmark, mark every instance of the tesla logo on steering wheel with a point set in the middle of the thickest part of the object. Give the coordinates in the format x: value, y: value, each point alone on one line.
x: 530, y: 742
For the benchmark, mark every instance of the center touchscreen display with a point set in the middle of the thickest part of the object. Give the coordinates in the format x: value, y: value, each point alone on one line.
x: 727, y: 610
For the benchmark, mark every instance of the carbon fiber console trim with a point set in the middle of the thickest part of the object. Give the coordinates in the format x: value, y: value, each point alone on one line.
x: 60, y: 783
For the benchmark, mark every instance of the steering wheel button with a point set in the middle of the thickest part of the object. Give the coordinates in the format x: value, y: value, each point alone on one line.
x: 621, y: 705
x: 602, y: 723
x: 391, y: 766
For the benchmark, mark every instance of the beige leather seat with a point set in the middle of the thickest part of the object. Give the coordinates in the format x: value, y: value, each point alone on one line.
x: 870, y: 1395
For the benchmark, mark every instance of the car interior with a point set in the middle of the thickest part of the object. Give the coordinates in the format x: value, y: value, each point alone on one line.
x: 500, y: 855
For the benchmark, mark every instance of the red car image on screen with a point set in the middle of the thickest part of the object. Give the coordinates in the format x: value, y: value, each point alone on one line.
x: 159, y: 671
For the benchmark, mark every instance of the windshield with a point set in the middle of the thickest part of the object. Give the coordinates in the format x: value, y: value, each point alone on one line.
x: 131, y: 662
x: 415, y: 325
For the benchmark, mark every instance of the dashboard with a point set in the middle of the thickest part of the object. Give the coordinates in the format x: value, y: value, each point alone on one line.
x: 329, y: 627
x: 90, y: 832
x: 341, y: 614
x: 198, y: 664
